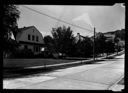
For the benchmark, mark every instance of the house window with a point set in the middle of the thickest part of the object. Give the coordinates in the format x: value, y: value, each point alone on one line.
x: 28, y: 37
x: 37, y: 39
x: 33, y: 37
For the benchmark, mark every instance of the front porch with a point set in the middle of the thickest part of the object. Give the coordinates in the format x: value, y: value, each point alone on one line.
x: 34, y: 47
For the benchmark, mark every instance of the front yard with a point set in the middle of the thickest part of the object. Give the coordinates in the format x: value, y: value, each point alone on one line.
x: 14, y: 67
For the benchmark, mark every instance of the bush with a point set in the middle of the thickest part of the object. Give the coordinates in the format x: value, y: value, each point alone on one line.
x: 23, y: 53
x: 44, y: 54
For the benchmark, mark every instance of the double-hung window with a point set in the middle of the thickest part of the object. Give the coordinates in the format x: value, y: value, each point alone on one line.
x: 33, y: 37
x: 29, y: 38
x: 37, y: 38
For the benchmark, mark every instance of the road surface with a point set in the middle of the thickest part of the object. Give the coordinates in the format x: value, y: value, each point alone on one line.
x: 99, y: 76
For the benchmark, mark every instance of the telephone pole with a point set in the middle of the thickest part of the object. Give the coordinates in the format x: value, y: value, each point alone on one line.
x: 94, y: 46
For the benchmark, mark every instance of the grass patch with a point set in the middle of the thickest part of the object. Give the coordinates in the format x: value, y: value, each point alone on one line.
x: 121, y: 82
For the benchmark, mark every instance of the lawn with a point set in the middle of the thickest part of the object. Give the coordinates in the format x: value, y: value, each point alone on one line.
x: 8, y: 63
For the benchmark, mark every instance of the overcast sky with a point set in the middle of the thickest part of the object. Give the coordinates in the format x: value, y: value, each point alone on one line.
x: 104, y: 18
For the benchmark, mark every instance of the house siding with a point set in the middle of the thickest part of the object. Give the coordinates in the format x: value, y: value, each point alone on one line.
x: 35, y: 45
x: 31, y: 31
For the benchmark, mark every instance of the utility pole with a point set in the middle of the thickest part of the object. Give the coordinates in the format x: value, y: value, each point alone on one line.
x: 94, y: 46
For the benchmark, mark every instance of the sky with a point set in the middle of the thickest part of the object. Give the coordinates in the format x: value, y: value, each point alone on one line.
x: 103, y: 18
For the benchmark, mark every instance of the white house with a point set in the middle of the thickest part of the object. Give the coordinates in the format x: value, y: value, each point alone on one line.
x: 30, y: 38
x: 79, y: 37
x: 109, y: 36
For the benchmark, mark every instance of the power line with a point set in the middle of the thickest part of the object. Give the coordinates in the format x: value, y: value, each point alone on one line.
x: 56, y: 18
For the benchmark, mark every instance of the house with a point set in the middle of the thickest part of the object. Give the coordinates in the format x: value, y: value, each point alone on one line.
x: 109, y: 36
x: 79, y: 37
x: 30, y: 38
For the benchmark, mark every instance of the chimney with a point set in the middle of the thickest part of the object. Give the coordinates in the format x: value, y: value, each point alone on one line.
x: 78, y: 34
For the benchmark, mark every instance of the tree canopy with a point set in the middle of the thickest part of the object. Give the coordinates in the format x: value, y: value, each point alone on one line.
x: 120, y: 34
x: 10, y: 16
x: 100, y: 43
x: 109, y: 47
x: 49, y: 42
x: 63, y: 39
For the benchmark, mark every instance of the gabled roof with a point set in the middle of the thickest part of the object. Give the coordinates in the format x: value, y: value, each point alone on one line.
x: 82, y: 36
x: 21, y: 30
x: 25, y: 28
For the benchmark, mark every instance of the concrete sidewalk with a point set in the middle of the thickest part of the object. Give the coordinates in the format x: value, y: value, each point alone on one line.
x: 100, y: 76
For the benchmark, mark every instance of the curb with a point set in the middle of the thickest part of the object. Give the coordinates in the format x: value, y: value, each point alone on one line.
x: 113, y: 87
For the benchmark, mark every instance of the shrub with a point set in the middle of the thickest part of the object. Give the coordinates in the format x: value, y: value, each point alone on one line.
x: 23, y: 53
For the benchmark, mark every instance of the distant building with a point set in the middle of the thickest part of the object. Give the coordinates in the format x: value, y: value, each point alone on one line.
x: 110, y: 36
x: 30, y: 38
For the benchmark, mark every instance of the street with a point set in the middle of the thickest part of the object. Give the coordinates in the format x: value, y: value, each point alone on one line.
x: 98, y: 76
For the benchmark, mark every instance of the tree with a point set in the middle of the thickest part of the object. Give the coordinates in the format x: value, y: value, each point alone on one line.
x: 11, y: 47
x: 116, y: 40
x: 48, y: 40
x: 119, y: 38
x: 100, y: 43
x: 120, y: 34
x: 110, y: 46
x: 63, y: 40
x: 84, y: 48
x: 10, y: 15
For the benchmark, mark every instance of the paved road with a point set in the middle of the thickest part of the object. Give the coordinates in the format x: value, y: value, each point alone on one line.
x: 99, y: 76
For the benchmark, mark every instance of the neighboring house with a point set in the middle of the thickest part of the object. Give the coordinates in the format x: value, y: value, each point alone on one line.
x: 30, y: 38
x: 79, y: 37
x: 110, y: 36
